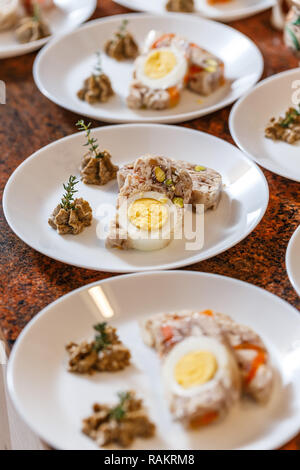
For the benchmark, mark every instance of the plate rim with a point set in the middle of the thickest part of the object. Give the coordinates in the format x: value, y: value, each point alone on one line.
x: 173, y: 265
x: 219, y: 17
x: 174, y: 118
x: 44, y: 311
x: 235, y: 109
x: 23, y: 49
x: 288, y: 255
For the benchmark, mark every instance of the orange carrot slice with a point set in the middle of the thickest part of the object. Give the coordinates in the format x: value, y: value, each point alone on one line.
x: 259, y: 359
x: 174, y: 95
x: 257, y: 362
x: 204, y: 420
x: 161, y: 39
x: 207, y: 312
x: 167, y: 332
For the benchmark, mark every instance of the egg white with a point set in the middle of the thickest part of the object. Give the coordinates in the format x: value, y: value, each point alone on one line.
x: 226, y: 369
x: 145, y: 240
x: 174, y: 77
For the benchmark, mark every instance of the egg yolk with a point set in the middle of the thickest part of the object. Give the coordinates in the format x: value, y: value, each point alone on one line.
x: 159, y: 64
x: 195, y: 368
x: 148, y: 214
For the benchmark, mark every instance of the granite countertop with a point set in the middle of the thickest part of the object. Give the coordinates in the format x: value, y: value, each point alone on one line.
x: 29, y: 281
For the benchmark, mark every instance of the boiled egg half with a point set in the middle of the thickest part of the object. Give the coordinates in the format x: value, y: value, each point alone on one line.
x: 150, y: 220
x: 162, y: 68
x: 197, y: 365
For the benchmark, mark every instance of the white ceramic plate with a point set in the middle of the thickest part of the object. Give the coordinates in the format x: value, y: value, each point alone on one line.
x: 67, y: 15
x: 53, y: 401
x: 234, y: 10
x: 251, y: 114
x: 60, y: 69
x: 293, y: 260
x: 35, y: 188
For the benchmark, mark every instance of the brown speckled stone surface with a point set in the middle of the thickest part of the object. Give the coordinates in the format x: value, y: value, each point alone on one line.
x: 29, y: 281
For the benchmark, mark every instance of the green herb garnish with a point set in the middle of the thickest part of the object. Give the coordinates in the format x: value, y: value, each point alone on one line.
x: 90, y: 140
x: 122, y: 30
x: 67, y: 201
x: 98, y: 66
x: 118, y: 412
x: 297, y: 22
x: 294, y: 38
x: 101, y: 340
x: 36, y: 12
x: 290, y: 118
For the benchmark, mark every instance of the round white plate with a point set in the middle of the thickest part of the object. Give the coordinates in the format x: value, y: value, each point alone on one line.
x: 233, y: 10
x: 53, y: 401
x: 35, y: 188
x: 251, y: 114
x: 60, y: 68
x: 292, y: 260
x: 67, y: 15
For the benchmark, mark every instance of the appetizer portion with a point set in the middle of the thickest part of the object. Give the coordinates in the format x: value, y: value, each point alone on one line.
x: 201, y: 381
x: 71, y: 215
x: 206, y: 71
x: 159, y: 74
x: 168, y: 64
x: 123, y: 45
x: 106, y: 353
x: 33, y: 27
x: 156, y: 173
x: 96, y: 88
x: 206, y: 182
x: 184, y: 6
x: 286, y: 128
x: 25, y: 18
x: 150, y: 205
x: 149, y: 220
x: 96, y: 166
x: 164, y: 331
x: 119, y: 424
x: 9, y: 14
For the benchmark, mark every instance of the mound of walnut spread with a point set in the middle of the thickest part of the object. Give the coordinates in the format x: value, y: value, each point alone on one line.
x: 185, y: 6
x: 98, y: 170
x: 119, y: 424
x: 33, y: 27
x: 96, y: 166
x: 106, y: 353
x: 71, y: 216
x: 286, y: 128
x: 71, y: 220
x: 122, y: 46
x: 96, y: 89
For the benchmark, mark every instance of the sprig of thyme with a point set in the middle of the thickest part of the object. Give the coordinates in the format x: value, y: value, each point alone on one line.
x: 118, y: 412
x: 290, y: 117
x: 122, y: 30
x: 101, y: 340
x: 67, y: 201
x: 36, y: 14
x: 297, y: 22
x: 93, y: 143
x: 98, y: 67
